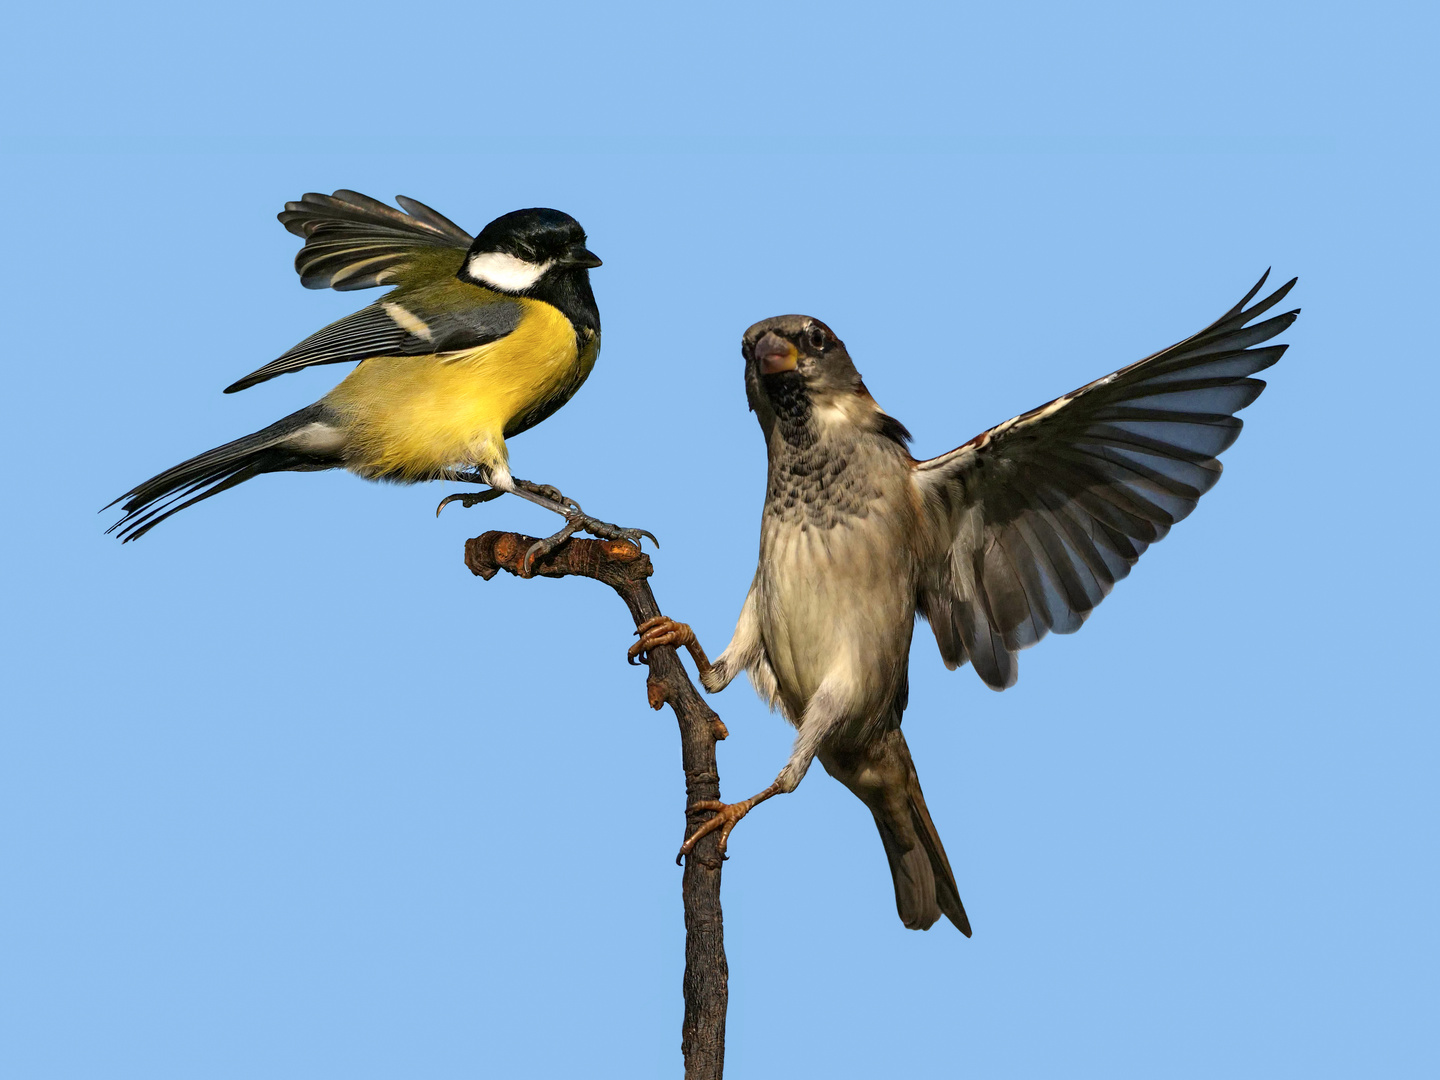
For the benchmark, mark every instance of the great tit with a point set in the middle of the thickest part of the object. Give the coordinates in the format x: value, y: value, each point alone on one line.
x: 478, y: 340
x: 1022, y: 530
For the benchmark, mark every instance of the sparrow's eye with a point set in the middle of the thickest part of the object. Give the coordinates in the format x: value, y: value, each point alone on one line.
x: 817, y: 338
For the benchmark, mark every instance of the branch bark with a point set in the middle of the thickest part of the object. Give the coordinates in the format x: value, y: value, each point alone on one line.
x: 625, y: 568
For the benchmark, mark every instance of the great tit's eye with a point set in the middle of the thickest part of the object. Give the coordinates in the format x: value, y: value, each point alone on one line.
x: 817, y: 338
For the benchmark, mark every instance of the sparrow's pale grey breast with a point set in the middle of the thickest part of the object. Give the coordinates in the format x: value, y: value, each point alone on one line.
x: 835, y: 588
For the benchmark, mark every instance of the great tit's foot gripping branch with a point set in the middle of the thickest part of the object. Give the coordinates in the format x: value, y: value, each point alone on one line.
x: 727, y: 815
x: 663, y: 630
x: 547, y: 491
x: 606, y: 531
x: 551, y: 498
x: 574, y: 522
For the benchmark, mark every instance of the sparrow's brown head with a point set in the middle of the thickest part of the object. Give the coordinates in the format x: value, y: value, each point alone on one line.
x: 799, y: 374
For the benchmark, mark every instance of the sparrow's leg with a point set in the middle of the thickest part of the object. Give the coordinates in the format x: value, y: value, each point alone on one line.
x: 825, y: 713
x: 576, y: 520
x: 663, y: 630
x: 725, y: 819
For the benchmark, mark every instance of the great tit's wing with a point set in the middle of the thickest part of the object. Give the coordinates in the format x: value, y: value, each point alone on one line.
x: 355, y: 242
x: 397, y: 327
x: 1044, y: 513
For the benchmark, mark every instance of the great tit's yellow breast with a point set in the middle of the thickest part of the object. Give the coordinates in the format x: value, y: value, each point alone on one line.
x: 410, y: 417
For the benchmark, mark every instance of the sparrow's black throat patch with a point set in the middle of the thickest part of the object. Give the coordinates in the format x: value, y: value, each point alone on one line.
x: 790, y: 401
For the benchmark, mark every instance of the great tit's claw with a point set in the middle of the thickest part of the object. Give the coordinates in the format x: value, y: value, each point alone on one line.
x: 468, y: 498
x: 606, y: 531
x: 573, y: 524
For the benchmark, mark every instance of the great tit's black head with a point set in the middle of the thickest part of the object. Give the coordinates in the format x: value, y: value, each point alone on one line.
x: 798, y: 373
x: 519, y: 250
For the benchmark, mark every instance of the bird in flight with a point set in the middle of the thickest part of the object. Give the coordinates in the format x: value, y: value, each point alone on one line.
x: 1022, y: 530
x: 479, y: 339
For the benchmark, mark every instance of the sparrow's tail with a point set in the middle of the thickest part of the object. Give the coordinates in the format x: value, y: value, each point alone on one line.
x: 301, y: 441
x: 884, y: 778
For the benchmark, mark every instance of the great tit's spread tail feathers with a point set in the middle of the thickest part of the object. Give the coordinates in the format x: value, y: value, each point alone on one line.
x: 299, y: 443
x: 355, y: 242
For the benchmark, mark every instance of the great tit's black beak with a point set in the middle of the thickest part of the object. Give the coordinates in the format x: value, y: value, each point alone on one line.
x: 579, y: 255
x: 774, y: 354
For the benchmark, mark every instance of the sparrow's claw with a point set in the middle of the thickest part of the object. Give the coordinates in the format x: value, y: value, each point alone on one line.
x: 468, y: 498
x: 661, y: 630
x: 727, y: 815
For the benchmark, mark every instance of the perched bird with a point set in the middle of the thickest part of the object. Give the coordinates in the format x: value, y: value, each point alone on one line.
x: 1022, y: 530
x: 479, y: 339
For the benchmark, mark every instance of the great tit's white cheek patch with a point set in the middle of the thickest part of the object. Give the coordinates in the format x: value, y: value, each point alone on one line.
x: 505, y: 272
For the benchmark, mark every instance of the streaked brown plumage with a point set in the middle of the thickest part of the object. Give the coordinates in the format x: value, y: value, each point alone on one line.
x: 1022, y: 530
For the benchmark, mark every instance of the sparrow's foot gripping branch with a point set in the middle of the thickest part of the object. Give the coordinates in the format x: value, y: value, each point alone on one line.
x: 625, y: 568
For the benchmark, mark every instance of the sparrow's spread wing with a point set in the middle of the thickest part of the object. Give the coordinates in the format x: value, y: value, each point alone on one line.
x: 1048, y: 510
x: 355, y: 242
x: 399, y: 326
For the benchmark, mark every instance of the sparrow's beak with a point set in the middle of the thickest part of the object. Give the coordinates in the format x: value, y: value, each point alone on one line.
x: 579, y: 255
x: 774, y: 354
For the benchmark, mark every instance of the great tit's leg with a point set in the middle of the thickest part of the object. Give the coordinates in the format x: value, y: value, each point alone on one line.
x: 570, y: 510
x: 545, y: 491
x: 663, y: 630
x: 551, y: 498
x: 540, y: 494
x: 725, y: 819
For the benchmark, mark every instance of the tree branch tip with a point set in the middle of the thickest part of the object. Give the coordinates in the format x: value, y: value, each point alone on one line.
x: 604, y: 560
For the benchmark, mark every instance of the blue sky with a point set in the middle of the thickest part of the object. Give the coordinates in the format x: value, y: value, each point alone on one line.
x: 287, y: 793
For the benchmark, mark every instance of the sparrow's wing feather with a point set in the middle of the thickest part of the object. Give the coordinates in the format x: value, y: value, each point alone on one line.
x: 391, y: 328
x: 1044, y: 513
x: 355, y: 242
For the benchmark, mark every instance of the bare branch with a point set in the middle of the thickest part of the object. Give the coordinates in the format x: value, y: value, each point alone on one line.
x: 626, y: 569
